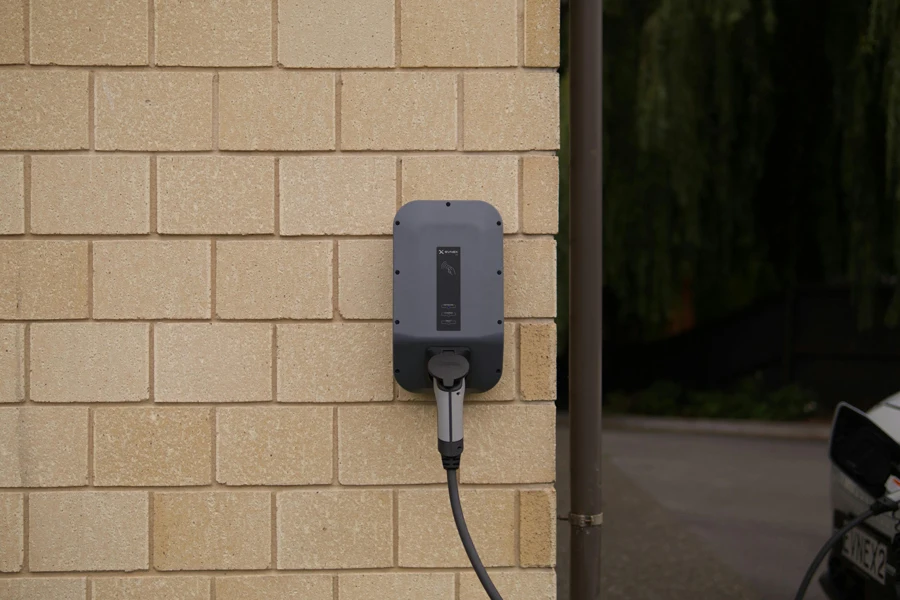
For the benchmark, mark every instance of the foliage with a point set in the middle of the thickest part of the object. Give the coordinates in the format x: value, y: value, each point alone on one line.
x: 748, y: 400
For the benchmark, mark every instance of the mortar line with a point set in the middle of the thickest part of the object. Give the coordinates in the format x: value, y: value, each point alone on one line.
x: 335, y: 282
x: 460, y: 115
x: 517, y: 519
x: 151, y: 33
x: 335, y: 589
x: 275, y: 33
x: 151, y: 363
x: 399, y: 182
x: 26, y: 351
x: 274, y: 363
x: 89, y: 588
x: 100, y: 66
x: 275, y: 153
x: 215, y: 112
x: 151, y: 531
x: 26, y: 184
x: 252, y: 572
x: 212, y: 588
x: 26, y: 525
x: 397, y: 35
x: 26, y: 16
x: 335, y: 449
x: 90, y: 274
x: 520, y: 195
x: 277, y: 214
x: 520, y: 33
x: 91, y: 103
x: 395, y: 516
x: 456, y: 582
x: 273, y: 531
x: 338, y: 86
x: 90, y: 447
x: 517, y: 335
x: 214, y: 445
x: 212, y: 279
x: 154, y: 193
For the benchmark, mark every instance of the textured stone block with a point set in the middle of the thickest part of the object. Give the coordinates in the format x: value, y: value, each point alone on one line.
x: 509, y: 444
x: 411, y: 455
x: 511, y: 111
x: 529, y: 269
x: 334, y: 35
x: 214, y: 33
x: 136, y: 279
x: 90, y: 362
x: 428, y: 536
x: 335, y: 362
x: 90, y: 194
x: 398, y: 111
x: 216, y: 194
x: 12, y: 532
x: 213, y: 362
x: 274, y: 587
x: 538, y: 361
x: 278, y: 445
x: 212, y: 530
x: 476, y: 33
x: 46, y: 588
x: 12, y: 32
x: 43, y: 280
x: 150, y: 588
x: 89, y: 32
x: 365, y: 270
x: 322, y: 529
x: 542, y: 33
x: 153, y: 110
x: 540, y: 194
x: 274, y: 280
x: 42, y: 446
x: 152, y: 446
x: 493, y: 179
x: 12, y: 190
x: 276, y: 110
x: 88, y: 531
x: 512, y: 585
x: 397, y: 586
x: 537, y: 528
x: 12, y: 362
x: 343, y: 195
x: 43, y: 110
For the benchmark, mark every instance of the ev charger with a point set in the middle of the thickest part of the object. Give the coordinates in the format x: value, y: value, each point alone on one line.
x: 448, y: 320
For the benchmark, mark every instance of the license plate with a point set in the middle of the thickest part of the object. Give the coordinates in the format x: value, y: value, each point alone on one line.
x: 866, y: 552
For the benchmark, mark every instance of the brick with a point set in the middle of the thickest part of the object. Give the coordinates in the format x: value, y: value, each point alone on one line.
x: 541, y: 33
x: 274, y: 280
x: 88, y: 531
x: 150, y: 588
x: 428, y: 535
x: 493, y: 179
x: 538, y: 361
x: 476, y: 33
x: 89, y: 32
x: 220, y: 33
x: 42, y: 446
x: 44, y: 110
x: 505, y: 388
x: 321, y: 529
x: 216, y: 194
x: 397, y: 586
x: 335, y: 362
x: 12, y: 532
x: 410, y: 457
x: 276, y: 110
x: 43, y: 280
x: 152, y: 446
x: 509, y: 444
x: 511, y: 111
x: 512, y: 585
x: 12, y: 32
x: 537, y: 528
x: 346, y: 195
x: 279, y: 445
x: 364, y: 279
x: 212, y: 530
x: 90, y: 194
x: 529, y: 270
x: 137, y: 279
x: 213, y: 362
x: 348, y: 34
x: 398, y: 111
x: 46, y: 588
x: 12, y: 362
x: 153, y: 111
x: 90, y: 362
x: 540, y: 194
x: 272, y: 587
x: 12, y: 193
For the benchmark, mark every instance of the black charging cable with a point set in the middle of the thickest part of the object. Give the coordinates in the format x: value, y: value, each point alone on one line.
x: 879, y: 507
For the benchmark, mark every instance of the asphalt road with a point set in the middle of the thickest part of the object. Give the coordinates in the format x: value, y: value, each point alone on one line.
x: 712, y: 517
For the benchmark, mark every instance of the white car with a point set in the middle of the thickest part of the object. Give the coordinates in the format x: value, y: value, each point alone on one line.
x: 865, y: 564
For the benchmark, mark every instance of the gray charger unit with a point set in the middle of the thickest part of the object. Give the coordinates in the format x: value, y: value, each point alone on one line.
x: 448, y: 290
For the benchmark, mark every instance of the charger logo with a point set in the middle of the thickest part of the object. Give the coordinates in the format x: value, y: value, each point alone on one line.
x: 442, y: 251
x: 448, y: 268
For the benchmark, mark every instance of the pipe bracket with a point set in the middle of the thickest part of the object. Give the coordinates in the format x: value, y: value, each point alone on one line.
x: 586, y: 520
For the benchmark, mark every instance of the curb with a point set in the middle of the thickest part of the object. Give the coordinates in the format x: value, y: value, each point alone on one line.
x: 737, y: 428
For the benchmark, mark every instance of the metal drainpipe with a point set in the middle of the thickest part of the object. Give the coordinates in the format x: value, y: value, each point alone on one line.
x: 586, y: 293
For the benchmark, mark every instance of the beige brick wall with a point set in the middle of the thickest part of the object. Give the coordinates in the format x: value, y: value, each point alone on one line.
x: 196, y: 390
